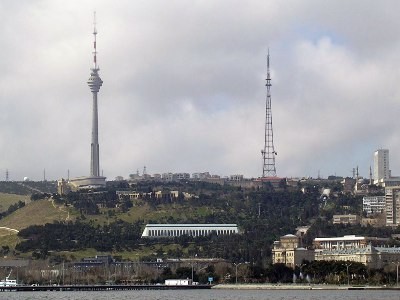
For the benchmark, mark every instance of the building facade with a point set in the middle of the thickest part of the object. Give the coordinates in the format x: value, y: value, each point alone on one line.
x: 288, y: 252
x: 174, y: 230
x: 346, y: 219
x: 381, y: 165
x: 370, y: 256
x: 346, y: 242
x: 373, y: 204
x: 392, y: 206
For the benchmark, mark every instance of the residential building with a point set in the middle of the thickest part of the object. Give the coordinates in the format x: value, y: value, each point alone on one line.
x: 374, y: 204
x: 236, y: 177
x: 181, y: 176
x: 346, y: 219
x: 381, y: 165
x: 167, y: 176
x: 376, y: 221
x: 288, y: 252
x: 203, y: 175
x: 392, y: 206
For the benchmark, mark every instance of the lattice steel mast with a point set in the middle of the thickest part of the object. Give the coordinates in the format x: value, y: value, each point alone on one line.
x: 268, y: 153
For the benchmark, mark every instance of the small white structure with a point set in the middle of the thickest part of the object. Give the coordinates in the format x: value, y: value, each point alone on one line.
x: 173, y: 230
x: 178, y: 282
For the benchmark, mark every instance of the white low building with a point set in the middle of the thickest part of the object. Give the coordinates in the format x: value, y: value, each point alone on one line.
x: 346, y: 242
x: 174, y: 230
x: 178, y: 282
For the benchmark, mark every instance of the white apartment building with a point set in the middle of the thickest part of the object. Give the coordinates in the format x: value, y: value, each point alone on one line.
x: 381, y: 165
x: 392, y: 206
x: 373, y: 204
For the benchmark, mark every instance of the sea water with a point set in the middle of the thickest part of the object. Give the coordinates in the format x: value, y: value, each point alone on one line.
x: 206, y: 295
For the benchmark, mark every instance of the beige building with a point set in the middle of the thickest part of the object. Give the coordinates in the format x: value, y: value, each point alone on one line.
x: 346, y: 242
x: 346, y: 219
x: 288, y: 252
x: 370, y: 256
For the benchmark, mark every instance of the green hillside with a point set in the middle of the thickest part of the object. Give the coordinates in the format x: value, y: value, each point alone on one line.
x: 8, y: 199
x: 103, y: 222
x: 37, y: 213
x: 27, y: 187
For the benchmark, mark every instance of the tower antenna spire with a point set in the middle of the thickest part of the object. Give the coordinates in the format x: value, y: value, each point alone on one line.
x: 268, y: 153
x: 94, y: 43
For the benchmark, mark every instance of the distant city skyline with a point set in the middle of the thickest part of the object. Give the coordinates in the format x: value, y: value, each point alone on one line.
x: 186, y: 86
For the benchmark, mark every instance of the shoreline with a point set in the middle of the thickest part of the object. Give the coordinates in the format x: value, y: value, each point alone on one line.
x: 268, y: 286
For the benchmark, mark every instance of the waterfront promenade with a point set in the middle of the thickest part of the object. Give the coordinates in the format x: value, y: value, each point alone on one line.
x: 267, y: 286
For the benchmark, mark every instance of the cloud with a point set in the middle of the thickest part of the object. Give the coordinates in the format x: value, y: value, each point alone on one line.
x: 184, y: 86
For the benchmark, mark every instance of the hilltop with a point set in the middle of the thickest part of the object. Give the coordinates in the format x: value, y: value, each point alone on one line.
x: 115, y: 222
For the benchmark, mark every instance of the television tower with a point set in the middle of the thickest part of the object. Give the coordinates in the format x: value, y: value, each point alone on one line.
x: 268, y: 153
x: 95, y: 83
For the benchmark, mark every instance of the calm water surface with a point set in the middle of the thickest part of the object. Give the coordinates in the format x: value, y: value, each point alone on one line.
x: 204, y: 295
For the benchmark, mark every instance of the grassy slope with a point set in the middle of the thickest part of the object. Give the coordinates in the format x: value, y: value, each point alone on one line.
x: 35, y: 213
x: 8, y: 199
x: 43, y: 211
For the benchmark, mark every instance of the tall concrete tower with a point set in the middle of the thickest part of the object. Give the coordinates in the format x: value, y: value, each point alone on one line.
x: 94, y: 180
x: 95, y: 83
x: 268, y: 153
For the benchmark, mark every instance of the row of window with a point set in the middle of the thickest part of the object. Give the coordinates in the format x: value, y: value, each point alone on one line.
x: 191, y: 232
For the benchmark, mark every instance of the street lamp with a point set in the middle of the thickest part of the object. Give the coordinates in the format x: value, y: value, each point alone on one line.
x: 192, y: 264
x: 397, y: 271
x: 236, y: 267
x: 300, y: 267
x: 348, y: 277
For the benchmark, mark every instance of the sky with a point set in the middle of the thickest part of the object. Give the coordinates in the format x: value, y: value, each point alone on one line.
x: 184, y: 86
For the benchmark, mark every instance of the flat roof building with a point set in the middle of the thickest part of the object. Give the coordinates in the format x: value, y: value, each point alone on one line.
x: 174, y: 230
x: 370, y: 256
x: 346, y: 242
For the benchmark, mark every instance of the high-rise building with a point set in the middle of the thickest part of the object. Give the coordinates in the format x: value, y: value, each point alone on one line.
x: 381, y: 165
x: 392, y: 205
